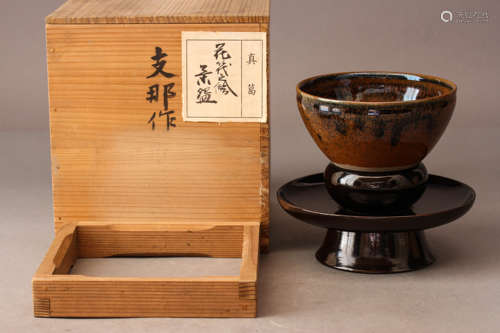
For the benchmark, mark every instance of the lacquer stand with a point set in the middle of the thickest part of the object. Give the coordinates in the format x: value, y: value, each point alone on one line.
x: 378, y: 243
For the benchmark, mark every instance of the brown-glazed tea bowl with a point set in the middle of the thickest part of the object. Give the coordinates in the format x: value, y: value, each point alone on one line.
x: 376, y: 121
x: 376, y: 124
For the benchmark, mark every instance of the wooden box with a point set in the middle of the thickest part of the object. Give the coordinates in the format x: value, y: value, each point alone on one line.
x: 152, y: 159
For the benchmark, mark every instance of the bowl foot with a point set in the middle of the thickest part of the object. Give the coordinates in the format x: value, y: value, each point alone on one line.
x: 375, y: 252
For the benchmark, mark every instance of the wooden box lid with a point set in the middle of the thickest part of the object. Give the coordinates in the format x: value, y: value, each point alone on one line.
x: 161, y: 11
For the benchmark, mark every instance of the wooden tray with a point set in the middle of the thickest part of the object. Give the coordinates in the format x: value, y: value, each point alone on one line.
x: 59, y: 294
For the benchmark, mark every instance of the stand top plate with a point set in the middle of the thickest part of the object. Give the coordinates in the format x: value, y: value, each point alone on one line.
x: 443, y: 201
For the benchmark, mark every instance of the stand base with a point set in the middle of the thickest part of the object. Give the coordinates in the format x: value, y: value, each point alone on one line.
x: 375, y: 252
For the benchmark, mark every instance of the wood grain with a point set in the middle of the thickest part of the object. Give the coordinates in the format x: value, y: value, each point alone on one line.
x: 107, y: 163
x: 120, y: 297
x: 161, y: 11
x: 250, y: 254
x: 57, y: 294
x: 265, y: 154
x: 62, y: 252
x: 199, y: 189
x: 96, y: 241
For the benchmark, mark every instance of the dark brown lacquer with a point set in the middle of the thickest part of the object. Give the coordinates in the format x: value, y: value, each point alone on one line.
x: 375, y: 243
x: 376, y: 121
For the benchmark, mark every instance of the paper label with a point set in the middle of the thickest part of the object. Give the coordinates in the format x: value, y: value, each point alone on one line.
x: 224, y: 76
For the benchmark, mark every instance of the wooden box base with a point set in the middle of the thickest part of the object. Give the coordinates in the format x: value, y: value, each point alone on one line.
x: 56, y: 293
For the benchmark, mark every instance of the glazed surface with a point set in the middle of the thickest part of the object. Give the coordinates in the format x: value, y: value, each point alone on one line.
x: 376, y: 121
x: 368, y: 87
x: 443, y: 201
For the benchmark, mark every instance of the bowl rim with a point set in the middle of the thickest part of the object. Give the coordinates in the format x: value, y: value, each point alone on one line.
x: 432, y: 78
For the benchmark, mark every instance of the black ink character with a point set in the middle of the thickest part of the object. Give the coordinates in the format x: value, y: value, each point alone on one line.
x: 152, y: 121
x: 220, y: 52
x: 159, y: 64
x: 168, y: 93
x: 251, y: 59
x: 221, y: 55
x: 222, y: 68
x: 170, y: 120
x: 203, y: 75
x: 204, y: 95
x: 251, y: 89
x: 224, y: 87
x: 152, y: 93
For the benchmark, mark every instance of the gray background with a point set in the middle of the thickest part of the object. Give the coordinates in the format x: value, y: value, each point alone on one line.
x: 459, y: 293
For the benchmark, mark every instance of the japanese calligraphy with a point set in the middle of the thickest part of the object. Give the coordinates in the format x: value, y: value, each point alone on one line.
x: 224, y: 76
x: 222, y: 60
x: 251, y: 59
x: 204, y: 93
x: 251, y: 89
x: 159, y: 64
x: 153, y: 92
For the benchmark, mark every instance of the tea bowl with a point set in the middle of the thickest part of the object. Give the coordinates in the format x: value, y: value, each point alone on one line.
x: 376, y: 128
